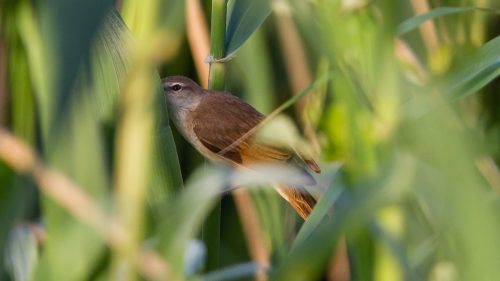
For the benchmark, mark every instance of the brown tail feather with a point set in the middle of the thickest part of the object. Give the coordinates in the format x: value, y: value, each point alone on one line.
x: 298, y: 197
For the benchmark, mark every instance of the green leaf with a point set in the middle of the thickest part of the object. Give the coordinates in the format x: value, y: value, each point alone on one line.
x: 216, y: 81
x: 307, y: 258
x: 243, y: 18
x: 253, y: 61
x: 353, y: 209
x: 110, y: 68
x: 476, y: 72
x: 321, y: 209
x: 412, y: 23
x: 186, y: 213
x: 72, y: 142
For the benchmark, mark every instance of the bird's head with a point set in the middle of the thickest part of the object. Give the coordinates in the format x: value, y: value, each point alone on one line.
x: 181, y: 93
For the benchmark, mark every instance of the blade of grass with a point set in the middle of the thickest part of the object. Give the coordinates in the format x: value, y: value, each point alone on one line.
x: 22, y: 102
x: 252, y: 228
x: 253, y: 61
x: 307, y: 259
x: 475, y: 72
x: 41, y: 71
x: 412, y: 23
x: 321, y: 209
x: 72, y: 30
x: 243, y: 18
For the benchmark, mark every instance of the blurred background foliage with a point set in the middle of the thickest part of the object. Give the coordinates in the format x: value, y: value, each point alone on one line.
x: 399, y: 103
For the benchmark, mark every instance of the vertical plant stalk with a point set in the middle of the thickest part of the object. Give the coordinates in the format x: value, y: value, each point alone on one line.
x: 134, y: 130
x: 254, y: 234
x: 252, y: 226
x: 42, y: 73
x: 197, y: 34
x: 217, y: 35
x: 18, y: 96
x: 211, y: 228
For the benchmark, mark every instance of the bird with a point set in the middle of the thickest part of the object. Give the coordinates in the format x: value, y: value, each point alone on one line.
x: 216, y: 123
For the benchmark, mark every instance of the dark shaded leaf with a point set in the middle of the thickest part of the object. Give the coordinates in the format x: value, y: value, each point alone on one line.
x: 412, y: 23
x: 475, y: 72
x: 243, y: 18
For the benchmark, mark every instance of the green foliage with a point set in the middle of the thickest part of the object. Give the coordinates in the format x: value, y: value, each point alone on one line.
x: 244, y: 17
x: 409, y: 179
x: 414, y: 22
x: 480, y: 69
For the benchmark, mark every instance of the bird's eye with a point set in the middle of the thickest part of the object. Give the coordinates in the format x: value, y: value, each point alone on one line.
x: 176, y: 87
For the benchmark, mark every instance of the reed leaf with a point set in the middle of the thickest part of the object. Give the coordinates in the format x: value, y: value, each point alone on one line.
x: 243, y: 18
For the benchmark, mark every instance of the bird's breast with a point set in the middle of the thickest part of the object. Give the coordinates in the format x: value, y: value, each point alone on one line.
x: 183, y: 120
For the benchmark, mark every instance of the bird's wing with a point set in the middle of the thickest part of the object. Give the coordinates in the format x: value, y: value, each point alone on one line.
x: 220, y: 121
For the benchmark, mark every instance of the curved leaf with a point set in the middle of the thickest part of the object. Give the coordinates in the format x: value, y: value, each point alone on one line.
x: 321, y: 209
x: 412, y: 23
x: 476, y: 72
x: 243, y: 18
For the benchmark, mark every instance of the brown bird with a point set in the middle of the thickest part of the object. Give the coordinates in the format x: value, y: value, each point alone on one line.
x: 214, y: 122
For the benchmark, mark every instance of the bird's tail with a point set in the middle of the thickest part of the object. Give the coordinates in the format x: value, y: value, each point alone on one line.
x: 298, y: 197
